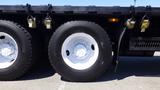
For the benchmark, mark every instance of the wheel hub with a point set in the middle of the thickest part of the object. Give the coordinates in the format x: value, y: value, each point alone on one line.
x: 8, y: 50
x: 80, y: 51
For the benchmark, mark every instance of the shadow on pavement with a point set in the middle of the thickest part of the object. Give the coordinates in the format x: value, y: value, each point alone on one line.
x: 128, y: 66
x: 39, y: 71
x: 134, y: 66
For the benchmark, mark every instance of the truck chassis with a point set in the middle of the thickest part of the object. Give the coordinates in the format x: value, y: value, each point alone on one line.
x: 80, y: 41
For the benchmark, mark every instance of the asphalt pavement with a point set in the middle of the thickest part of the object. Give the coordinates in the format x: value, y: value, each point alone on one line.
x: 138, y: 73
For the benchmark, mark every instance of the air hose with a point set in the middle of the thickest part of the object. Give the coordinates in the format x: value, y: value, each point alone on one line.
x: 129, y: 24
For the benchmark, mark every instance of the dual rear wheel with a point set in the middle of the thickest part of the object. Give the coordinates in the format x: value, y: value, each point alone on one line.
x: 78, y: 51
x: 15, y: 50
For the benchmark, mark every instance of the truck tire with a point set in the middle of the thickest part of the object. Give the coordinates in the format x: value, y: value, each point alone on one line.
x: 15, y: 50
x: 80, y: 51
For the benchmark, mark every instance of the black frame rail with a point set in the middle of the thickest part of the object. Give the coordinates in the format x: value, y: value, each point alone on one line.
x: 115, y: 10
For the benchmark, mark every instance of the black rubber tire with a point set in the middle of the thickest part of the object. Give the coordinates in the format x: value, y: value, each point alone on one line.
x: 99, y: 67
x: 24, y: 60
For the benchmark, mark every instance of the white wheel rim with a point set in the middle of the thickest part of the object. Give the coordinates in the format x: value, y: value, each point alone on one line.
x: 80, y: 51
x: 8, y: 50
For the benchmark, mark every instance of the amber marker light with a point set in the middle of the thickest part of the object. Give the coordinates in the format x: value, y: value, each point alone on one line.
x: 113, y: 20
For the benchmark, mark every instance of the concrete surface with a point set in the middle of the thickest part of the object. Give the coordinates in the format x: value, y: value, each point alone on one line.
x: 133, y: 74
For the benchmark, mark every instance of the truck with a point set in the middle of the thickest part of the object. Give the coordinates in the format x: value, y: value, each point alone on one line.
x: 81, y: 42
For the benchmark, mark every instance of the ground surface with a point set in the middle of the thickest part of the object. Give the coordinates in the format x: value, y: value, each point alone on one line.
x: 133, y: 74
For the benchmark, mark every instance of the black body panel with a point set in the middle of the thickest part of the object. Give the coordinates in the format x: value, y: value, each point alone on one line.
x: 99, y: 15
